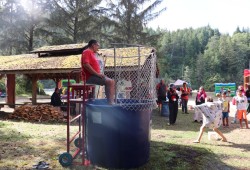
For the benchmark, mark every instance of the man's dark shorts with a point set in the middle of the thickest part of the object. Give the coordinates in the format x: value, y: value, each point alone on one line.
x: 96, y: 80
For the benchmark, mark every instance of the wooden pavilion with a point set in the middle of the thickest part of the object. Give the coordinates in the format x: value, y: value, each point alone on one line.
x: 56, y: 62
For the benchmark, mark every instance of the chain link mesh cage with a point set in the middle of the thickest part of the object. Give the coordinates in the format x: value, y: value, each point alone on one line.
x: 134, y: 71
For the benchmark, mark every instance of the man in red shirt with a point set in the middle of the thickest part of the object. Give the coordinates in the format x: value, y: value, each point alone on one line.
x: 91, y: 70
x: 161, y: 89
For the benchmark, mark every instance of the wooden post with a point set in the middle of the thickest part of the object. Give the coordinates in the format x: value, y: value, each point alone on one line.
x: 78, y: 78
x: 58, y: 83
x: 1, y: 76
x: 34, y: 90
x: 11, y: 88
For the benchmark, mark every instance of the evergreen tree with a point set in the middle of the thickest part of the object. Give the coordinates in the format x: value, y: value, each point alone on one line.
x: 11, y: 42
x: 130, y: 19
x: 72, y: 21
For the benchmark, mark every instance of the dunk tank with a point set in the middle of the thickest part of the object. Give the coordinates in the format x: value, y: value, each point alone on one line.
x: 118, y: 136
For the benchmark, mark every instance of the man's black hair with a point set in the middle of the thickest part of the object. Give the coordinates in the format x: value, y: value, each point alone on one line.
x: 91, y: 42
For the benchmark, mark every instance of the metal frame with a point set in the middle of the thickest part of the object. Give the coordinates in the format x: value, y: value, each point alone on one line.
x: 84, y: 92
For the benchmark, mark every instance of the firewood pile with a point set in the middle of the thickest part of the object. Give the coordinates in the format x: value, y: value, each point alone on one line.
x: 38, y: 113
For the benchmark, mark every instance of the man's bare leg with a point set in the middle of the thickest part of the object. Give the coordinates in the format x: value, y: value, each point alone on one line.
x: 110, y: 90
x: 200, y: 134
x: 220, y: 133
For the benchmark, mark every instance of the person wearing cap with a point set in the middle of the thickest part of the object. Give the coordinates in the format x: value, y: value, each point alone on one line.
x: 91, y: 70
x: 185, y: 91
x: 173, y: 104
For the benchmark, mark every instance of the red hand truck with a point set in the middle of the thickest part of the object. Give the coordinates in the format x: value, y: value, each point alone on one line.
x: 81, y: 92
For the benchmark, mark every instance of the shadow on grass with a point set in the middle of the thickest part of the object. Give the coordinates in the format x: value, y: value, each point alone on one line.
x: 170, y: 156
x: 29, y: 150
x: 164, y: 156
x: 13, y: 145
x: 243, y: 147
x: 18, y: 151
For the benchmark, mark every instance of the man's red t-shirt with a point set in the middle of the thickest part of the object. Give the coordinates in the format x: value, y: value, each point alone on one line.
x: 88, y: 56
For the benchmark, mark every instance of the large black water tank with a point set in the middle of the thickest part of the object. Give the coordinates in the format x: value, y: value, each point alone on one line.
x: 117, y: 137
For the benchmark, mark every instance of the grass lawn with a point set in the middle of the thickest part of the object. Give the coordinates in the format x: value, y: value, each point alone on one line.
x: 23, y: 144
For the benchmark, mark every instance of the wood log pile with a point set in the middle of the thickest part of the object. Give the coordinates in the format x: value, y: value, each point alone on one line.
x: 38, y: 113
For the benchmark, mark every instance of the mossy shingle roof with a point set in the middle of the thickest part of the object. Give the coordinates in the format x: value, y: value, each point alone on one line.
x: 31, y: 62
x: 54, y: 48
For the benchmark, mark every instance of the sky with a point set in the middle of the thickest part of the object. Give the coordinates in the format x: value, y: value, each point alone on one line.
x: 224, y: 15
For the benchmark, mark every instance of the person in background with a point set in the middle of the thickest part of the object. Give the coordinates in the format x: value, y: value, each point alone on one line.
x: 210, y: 99
x: 161, y: 89
x: 218, y: 95
x: 221, y: 90
x: 241, y: 105
x: 229, y: 92
x: 201, y: 96
x: 173, y: 105
x: 248, y: 97
x: 240, y: 88
x: 92, y: 73
x: 191, y: 92
x: 200, y: 99
x: 185, y: 91
x: 56, y: 99
x: 178, y: 91
x: 225, y: 109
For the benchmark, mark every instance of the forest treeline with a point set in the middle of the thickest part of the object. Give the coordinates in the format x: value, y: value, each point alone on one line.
x: 204, y: 56
x: 201, y: 56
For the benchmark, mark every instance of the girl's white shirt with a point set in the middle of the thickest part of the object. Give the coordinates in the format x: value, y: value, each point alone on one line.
x: 241, y: 102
